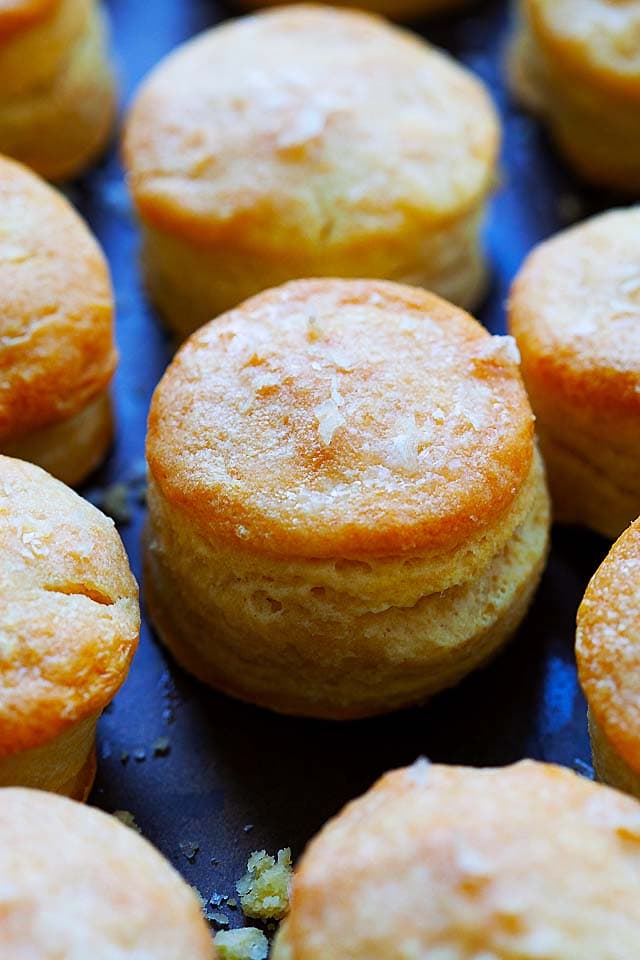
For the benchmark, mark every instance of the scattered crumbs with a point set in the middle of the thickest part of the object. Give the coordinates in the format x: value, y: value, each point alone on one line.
x: 249, y: 943
x: 248, y: 827
x: 170, y: 696
x: 124, y: 758
x: 139, y: 755
x: 126, y: 817
x: 189, y: 849
x: 161, y: 747
x: 214, y: 862
x: 264, y: 889
x: 584, y: 769
x: 232, y: 903
x: 217, y: 918
x: 218, y: 899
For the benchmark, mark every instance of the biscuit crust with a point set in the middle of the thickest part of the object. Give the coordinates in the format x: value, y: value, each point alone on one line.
x: 608, y: 648
x: 447, y: 861
x: 577, y: 64
x: 286, y: 426
x: 574, y: 311
x: 347, y: 512
x: 348, y: 148
x: 259, y: 155
x: 57, y: 90
x: 69, y: 616
x: 57, y: 351
x: 77, y: 884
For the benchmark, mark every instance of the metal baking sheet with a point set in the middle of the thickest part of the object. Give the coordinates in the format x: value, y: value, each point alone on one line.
x: 208, y: 779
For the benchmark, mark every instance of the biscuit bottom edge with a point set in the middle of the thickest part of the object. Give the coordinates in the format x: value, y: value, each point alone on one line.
x: 447, y: 259
x: 70, y: 449
x: 608, y: 765
x: 590, y: 488
x: 300, y: 657
x: 66, y: 765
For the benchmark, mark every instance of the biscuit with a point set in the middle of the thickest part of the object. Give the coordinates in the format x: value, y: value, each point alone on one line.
x: 525, y: 862
x: 396, y: 9
x: 76, y: 883
x: 57, y: 351
x: 574, y: 310
x: 608, y: 655
x: 307, y: 141
x: 57, y: 92
x: 69, y: 625
x: 346, y: 509
x: 577, y: 64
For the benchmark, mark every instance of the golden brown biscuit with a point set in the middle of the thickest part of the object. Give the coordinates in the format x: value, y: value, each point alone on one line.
x: 451, y: 863
x: 307, y: 141
x: 347, y: 512
x: 608, y: 655
x: 57, y: 351
x: 57, y: 96
x: 76, y: 884
x: 69, y: 624
x: 396, y: 9
x: 577, y: 63
x: 575, y: 311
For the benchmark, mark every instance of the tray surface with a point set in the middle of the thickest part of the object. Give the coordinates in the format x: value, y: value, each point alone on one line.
x: 207, y: 779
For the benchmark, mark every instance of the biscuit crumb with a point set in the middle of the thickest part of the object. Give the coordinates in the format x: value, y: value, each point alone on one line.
x: 248, y: 943
x: 161, y: 747
x: 189, y: 849
x: 126, y: 817
x: 264, y: 889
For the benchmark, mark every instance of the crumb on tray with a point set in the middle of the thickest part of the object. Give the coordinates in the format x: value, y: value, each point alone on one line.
x: 126, y: 817
x: 264, y: 889
x: 249, y: 943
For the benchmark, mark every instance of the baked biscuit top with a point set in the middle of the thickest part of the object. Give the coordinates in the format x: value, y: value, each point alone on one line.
x: 310, y: 126
x: 342, y: 418
x: 525, y: 862
x: 575, y: 311
x: 608, y: 646
x: 56, y: 307
x: 598, y: 39
x: 76, y: 883
x: 69, y: 616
